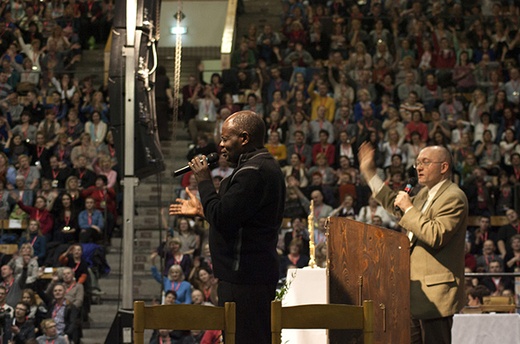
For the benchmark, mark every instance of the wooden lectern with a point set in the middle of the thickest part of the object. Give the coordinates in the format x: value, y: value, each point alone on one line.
x: 370, y: 263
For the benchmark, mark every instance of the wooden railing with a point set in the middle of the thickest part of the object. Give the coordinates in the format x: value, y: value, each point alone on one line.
x: 496, y: 221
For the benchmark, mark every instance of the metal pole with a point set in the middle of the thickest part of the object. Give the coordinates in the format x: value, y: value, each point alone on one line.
x: 129, y: 180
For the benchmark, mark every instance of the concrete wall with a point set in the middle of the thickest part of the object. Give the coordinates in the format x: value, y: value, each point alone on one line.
x: 204, y: 19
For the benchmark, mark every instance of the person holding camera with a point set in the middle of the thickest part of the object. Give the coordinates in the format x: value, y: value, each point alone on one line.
x: 19, y: 329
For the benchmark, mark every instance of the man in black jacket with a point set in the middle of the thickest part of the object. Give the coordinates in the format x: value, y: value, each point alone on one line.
x: 19, y: 329
x: 244, y: 219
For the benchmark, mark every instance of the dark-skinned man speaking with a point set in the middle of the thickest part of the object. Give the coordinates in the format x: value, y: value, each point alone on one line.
x: 244, y: 218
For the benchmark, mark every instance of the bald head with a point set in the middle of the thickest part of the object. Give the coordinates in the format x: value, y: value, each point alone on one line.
x: 441, y: 154
x: 434, y: 164
x: 250, y: 123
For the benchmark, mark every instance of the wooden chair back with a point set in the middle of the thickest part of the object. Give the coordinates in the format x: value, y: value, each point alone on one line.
x: 326, y: 316
x: 9, y: 249
x: 184, y: 317
x: 499, y: 221
x: 498, y: 304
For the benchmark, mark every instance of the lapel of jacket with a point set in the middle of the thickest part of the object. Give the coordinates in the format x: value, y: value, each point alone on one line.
x: 419, y: 202
x: 421, y: 198
x: 443, y: 188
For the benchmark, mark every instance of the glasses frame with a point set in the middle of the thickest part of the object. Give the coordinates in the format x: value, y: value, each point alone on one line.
x: 426, y: 164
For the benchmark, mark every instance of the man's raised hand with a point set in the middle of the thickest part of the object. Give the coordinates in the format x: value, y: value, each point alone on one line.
x: 189, y: 207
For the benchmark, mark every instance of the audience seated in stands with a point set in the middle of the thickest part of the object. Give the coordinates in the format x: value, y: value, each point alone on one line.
x: 51, y: 124
x: 330, y: 74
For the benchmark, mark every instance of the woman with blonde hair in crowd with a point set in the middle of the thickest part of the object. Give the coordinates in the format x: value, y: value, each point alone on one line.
x: 62, y: 43
x: 321, y: 255
x: 322, y: 167
x: 104, y: 167
x: 394, y: 145
x: 72, y: 187
x: 364, y: 102
x: 17, y: 264
x: 477, y: 107
x: 174, y: 281
x: 383, y: 53
x: 170, y: 252
x: 95, y: 103
x: 277, y: 149
x: 360, y: 51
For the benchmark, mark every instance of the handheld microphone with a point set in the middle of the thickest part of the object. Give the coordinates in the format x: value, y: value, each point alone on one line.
x: 211, y: 158
x: 410, y: 184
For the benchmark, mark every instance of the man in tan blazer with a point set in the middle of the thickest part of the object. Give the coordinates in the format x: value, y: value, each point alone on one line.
x: 435, y: 221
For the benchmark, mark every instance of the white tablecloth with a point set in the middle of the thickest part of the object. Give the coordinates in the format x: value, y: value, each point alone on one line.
x: 307, y: 286
x: 486, y: 329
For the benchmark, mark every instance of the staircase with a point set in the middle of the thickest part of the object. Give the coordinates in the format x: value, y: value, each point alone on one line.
x: 148, y: 203
x: 151, y: 194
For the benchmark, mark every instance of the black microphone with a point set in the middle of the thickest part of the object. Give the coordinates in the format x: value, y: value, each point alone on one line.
x: 211, y: 158
x: 410, y: 184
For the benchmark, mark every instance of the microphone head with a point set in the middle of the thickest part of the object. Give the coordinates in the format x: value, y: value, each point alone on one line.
x: 412, y: 181
x: 212, y: 157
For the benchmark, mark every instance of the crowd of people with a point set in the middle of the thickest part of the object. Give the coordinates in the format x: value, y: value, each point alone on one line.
x: 58, y: 169
x: 400, y: 75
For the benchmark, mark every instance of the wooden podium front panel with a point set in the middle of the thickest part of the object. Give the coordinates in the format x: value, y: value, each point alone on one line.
x: 370, y: 263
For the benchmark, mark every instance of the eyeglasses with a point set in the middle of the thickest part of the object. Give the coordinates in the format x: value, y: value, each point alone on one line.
x: 425, y: 163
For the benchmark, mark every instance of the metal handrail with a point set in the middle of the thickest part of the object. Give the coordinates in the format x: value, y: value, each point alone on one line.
x: 492, y: 274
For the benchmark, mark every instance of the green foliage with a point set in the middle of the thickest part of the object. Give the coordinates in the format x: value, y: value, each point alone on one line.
x: 280, y: 294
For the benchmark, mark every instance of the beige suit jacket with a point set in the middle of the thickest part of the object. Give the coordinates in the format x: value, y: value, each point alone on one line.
x: 437, y: 249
